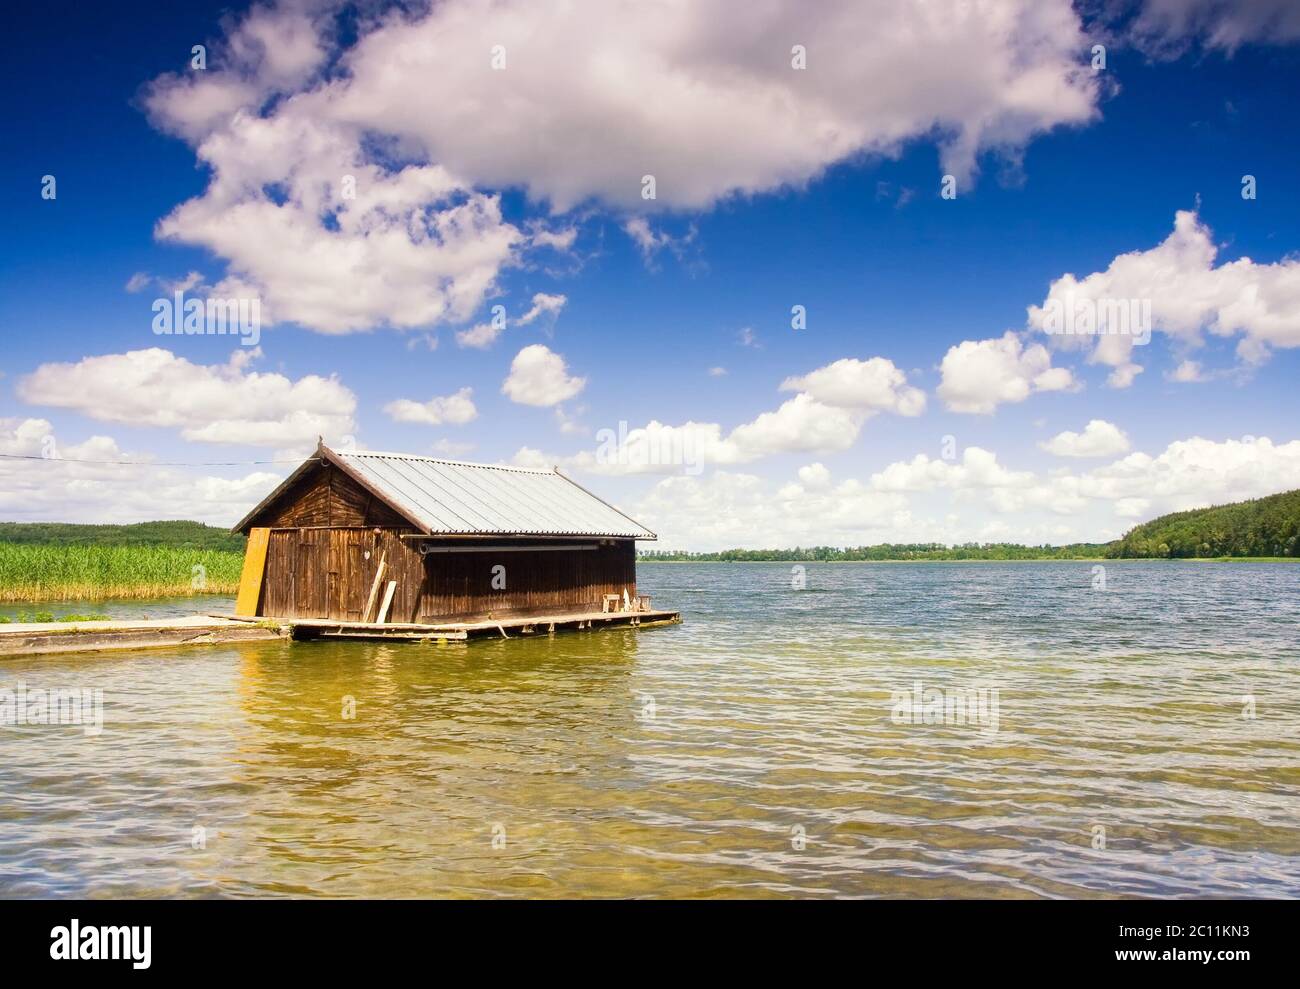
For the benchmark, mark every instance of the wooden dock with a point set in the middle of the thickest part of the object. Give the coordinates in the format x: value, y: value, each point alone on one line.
x: 502, y: 628
x: 197, y: 630
x: 34, y: 638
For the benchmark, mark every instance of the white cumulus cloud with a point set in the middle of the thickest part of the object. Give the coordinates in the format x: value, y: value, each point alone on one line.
x: 210, y: 403
x: 850, y: 383
x: 1098, y: 439
x: 980, y: 375
x: 347, y: 197
x: 539, y: 376
x: 973, y: 499
x: 456, y: 409
x: 728, y: 112
x: 1188, y: 295
x: 58, y: 485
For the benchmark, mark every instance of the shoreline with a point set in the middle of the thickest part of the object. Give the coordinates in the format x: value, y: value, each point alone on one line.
x: 24, y: 597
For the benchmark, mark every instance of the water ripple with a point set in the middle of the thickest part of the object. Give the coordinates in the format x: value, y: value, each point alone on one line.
x: 1145, y: 744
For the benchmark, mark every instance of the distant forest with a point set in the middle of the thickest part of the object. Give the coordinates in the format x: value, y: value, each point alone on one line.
x: 180, y: 535
x: 1262, y: 527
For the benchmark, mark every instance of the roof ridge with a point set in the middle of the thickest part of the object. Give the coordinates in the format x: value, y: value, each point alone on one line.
x: 441, y: 460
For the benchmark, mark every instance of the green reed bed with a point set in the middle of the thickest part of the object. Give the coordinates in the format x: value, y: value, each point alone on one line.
x: 66, y: 572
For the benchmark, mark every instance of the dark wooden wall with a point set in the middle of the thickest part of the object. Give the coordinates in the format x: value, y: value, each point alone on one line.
x: 328, y: 573
x: 328, y: 535
x: 548, y: 582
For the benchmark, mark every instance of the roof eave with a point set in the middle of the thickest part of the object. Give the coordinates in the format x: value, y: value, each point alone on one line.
x: 333, y: 458
x: 650, y: 535
x: 325, y: 455
x: 243, y: 524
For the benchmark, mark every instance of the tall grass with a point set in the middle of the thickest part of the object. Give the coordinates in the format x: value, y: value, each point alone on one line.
x: 49, y: 572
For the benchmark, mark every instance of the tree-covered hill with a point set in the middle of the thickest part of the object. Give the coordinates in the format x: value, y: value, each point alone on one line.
x: 181, y: 535
x: 1257, y: 528
x: 1260, y: 527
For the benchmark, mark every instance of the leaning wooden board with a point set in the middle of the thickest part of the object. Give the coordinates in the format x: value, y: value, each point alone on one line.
x: 250, y: 581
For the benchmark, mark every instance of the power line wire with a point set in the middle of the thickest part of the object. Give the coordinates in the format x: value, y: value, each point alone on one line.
x: 149, y: 463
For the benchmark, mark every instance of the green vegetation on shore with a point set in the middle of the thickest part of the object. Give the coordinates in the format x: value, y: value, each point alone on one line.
x: 56, y: 562
x: 1262, y: 528
x: 180, y: 535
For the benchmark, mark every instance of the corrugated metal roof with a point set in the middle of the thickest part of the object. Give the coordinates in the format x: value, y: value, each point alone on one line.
x: 452, y: 497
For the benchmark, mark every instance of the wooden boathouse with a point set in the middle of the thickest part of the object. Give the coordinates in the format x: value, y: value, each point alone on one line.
x: 389, y: 545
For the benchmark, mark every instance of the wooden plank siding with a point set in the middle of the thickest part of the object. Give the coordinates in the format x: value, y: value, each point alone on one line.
x: 327, y: 573
x: 537, y: 583
x: 328, y: 497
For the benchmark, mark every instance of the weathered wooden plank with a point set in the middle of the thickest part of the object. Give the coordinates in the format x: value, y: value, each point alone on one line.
x: 371, y: 635
x: 60, y: 637
x: 250, y: 580
x: 374, y: 590
x: 388, y: 600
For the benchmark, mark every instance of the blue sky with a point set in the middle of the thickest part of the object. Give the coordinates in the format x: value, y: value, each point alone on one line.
x: 775, y: 190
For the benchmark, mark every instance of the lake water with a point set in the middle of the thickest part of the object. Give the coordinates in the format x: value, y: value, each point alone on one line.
x: 1143, y: 740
